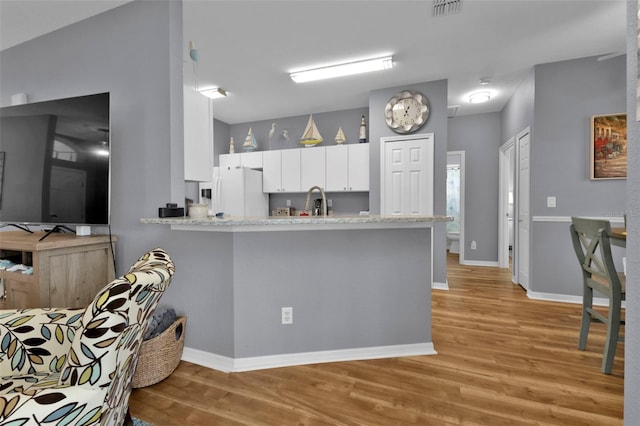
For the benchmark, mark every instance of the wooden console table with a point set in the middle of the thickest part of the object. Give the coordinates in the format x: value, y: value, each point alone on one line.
x: 68, y: 271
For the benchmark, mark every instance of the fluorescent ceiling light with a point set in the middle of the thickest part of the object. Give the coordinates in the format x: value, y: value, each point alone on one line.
x: 480, y: 97
x: 214, y: 93
x: 350, y: 68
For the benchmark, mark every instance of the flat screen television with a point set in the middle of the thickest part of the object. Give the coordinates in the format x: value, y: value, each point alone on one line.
x: 54, y: 162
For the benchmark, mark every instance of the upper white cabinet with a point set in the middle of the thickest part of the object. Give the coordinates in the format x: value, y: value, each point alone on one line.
x: 347, y: 168
x: 281, y: 171
x: 251, y: 160
x: 198, y: 136
x: 229, y: 160
x: 359, y: 167
x: 336, y: 168
x: 312, y: 167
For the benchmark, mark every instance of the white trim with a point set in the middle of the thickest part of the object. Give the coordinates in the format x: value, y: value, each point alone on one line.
x: 566, y: 298
x: 228, y: 365
x: 489, y: 263
x: 567, y: 219
x: 504, y: 172
x: 440, y: 286
x: 208, y: 359
x: 462, y: 244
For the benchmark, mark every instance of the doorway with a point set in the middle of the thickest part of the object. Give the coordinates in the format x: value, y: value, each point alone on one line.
x: 514, y: 222
x: 455, y: 202
x: 506, y: 197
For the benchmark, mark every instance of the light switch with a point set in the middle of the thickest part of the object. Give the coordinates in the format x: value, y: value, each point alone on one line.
x: 551, y: 202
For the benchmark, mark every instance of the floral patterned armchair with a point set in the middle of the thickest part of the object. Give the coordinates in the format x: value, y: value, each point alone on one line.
x: 75, y: 366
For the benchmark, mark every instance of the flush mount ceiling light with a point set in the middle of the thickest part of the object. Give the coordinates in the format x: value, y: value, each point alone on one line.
x: 214, y: 93
x: 340, y: 70
x: 479, y: 97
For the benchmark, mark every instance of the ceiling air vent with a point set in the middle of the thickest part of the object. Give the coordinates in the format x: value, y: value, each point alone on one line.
x: 446, y: 7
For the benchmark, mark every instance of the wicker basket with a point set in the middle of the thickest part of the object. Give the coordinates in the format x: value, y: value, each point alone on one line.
x: 161, y: 355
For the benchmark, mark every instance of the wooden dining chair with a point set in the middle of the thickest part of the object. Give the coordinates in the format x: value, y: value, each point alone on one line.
x: 591, y: 243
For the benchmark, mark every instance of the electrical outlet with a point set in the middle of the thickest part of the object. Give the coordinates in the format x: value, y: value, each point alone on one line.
x: 288, y: 203
x: 287, y: 315
x: 551, y: 202
x: 473, y: 245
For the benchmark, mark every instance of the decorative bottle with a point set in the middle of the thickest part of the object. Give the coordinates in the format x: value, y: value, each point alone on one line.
x: 363, y: 131
x: 232, y: 149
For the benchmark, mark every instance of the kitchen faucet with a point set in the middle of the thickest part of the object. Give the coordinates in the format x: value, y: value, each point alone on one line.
x: 324, y: 200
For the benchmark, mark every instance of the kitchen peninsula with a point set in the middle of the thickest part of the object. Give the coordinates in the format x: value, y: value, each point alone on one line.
x: 359, y: 287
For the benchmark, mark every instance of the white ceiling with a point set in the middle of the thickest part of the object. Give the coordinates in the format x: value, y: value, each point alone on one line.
x: 248, y: 47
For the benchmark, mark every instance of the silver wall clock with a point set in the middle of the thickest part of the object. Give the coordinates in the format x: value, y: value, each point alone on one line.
x: 406, y: 112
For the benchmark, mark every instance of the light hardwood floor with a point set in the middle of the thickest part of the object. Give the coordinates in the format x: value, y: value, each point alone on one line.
x: 503, y: 359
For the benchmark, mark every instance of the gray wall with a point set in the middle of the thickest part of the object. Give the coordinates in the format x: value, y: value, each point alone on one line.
x: 518, y: 113
x: 327, y: 123
x: 436, y: 92
x: 221, y: 134
x: 632, y: 332
x: 345, y: 291
x: 567, y: 94
x: 479, y: 136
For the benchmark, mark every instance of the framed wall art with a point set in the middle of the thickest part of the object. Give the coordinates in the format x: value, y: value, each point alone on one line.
x: 608, y: 146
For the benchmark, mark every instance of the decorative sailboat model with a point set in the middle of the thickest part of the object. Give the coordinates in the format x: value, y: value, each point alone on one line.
x: 311, y: 135
x: 340, y: 137
x: 250, y: 142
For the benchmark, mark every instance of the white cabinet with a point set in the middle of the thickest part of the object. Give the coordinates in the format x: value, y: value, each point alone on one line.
x: 337, y: 166
x: 291, y: 170
x: 198, y: 136
x: 358, y: 167
x: 251, y: 160
x: 334, y: 168
x: 347, y: 168
x: 229, y: 160
x: 281, y: 171
x: 312, y: 167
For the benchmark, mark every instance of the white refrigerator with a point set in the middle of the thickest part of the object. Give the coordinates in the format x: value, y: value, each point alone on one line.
x: 236, y: 192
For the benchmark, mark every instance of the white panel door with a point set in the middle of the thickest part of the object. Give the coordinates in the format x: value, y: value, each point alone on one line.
x: 407, y: 176
x: 522, y: 252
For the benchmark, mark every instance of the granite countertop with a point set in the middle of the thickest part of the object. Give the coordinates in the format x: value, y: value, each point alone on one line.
x: 273, y: 223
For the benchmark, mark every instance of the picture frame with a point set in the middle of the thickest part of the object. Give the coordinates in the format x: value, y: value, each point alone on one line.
x: 608, y: 159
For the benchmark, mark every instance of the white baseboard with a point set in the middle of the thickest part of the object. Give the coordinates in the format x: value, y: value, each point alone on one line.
x: 208, y: 359
x: 228, y: 365
x: 490, y: 263
x: 565, y: 298
x: 440, y: 286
